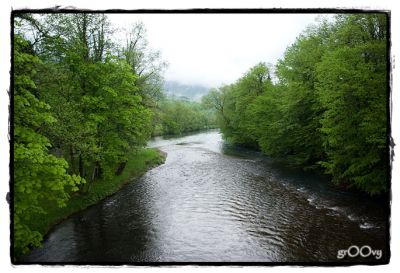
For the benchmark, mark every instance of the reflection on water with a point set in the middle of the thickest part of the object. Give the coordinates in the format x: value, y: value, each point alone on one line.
x: 212, y: 203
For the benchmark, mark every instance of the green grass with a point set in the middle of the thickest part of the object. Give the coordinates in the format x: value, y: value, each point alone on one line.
x: 138, y: 163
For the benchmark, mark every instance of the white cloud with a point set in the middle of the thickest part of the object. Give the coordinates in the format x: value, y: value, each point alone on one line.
x: 212, y: 49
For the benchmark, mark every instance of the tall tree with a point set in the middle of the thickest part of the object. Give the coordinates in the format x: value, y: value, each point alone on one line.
x: 328, y: 107
x: 301, y: 110
x: 237, y: 98
x: 353, y: 91
x: 39, y: 177
x: 144, y: 62
x: 76, y: 101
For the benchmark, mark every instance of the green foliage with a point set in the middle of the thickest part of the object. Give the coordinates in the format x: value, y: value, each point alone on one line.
x: 328, y: 107
x: 299, y: 107
x: 180, y: 116
x: 138, y: 162
x: 217, y: 99
x: 233, y: 105
x: 145, y: 63
x: 352, y: 88
x: 38, y: 175
x: 114, y: 110
x: 81, y: 109
x: 265, y: 116
x: 101, y: 99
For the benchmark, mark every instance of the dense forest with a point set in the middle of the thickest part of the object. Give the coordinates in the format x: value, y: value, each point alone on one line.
x: 84, y: 104
x: 177, y: 116
x: 327, y: 107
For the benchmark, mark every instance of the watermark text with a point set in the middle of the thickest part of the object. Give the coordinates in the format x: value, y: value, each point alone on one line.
x: 355, y: 251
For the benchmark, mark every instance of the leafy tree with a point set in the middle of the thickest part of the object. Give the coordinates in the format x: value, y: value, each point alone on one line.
x: 74, y: 97
x: 101, y: 100
x: 265, y: 120
x: 352, y: 87
x: 233, y: 103
x: 328, y: 107
x: 123, y: 123
x: 145, y: 63
x: 39, y: 177
x: 218, y: 99
x: 299, y: 105
x: 72, y: 45
x: 180, y: 116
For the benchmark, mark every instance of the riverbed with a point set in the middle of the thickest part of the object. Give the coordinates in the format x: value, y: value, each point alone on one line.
x: 213, y: 202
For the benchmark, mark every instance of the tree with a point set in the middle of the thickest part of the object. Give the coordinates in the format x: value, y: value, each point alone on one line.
x: 180, y: 116
x: 232, y: 104
x: 97, y: 97
x: 72, y: 46
x: 300, y: 108
x: 122, y: 122
x: 328, y: 107
x: 352, y: 87
x: 265, y: 120
x: 80, y: 109
x: 217, y: 99
x: 39, y: 177
x: 145, y: 63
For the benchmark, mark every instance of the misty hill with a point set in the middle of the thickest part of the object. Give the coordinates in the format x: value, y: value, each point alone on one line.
x: 192, y: 92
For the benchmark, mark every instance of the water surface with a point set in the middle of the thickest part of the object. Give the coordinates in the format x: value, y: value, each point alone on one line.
x: 210, y: 202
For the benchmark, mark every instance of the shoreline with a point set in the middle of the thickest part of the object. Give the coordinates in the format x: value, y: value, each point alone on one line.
x: 138, y: 164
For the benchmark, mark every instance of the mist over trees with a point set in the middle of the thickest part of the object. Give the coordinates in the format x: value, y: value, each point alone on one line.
x: 83, y: 103
x: 193, y: 92
x: 328, y: 107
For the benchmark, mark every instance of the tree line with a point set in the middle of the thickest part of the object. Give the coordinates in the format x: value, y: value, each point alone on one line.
x: 324, y: 104
x: 176, y: 116
x: 82, y: 102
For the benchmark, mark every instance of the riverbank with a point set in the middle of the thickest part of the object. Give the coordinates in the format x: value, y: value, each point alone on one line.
x: 206, y: 205
x: 138, y: 163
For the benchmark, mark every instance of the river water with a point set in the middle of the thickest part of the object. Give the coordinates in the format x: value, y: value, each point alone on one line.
x: 211, y: 202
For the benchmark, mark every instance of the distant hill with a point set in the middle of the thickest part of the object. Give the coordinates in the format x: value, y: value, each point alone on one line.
x: 192, y: 92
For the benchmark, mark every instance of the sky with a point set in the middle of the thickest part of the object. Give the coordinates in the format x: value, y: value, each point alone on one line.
x: 217, y: 49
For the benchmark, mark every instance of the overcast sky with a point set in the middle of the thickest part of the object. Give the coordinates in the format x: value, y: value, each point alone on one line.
x: 216, y: 49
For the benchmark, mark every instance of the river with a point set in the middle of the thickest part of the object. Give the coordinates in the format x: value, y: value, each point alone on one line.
x: 211, y: 202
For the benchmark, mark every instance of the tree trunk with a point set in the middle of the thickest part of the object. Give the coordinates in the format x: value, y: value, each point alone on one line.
x: 71, y: 159
x: 81, y: 167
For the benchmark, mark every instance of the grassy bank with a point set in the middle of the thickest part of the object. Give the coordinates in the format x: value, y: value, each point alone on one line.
x: 138, y: 163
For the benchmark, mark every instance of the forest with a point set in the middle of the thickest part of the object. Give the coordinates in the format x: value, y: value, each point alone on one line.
x: 84, y: 105
x: 326, y: 107
x: 177, y: 116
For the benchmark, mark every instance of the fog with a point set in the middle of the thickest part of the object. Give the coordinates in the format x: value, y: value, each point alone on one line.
x: 215, y: 49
